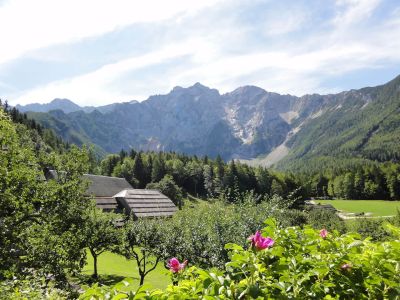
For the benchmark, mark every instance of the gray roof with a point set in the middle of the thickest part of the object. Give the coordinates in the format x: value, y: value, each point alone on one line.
x: 146, y: 203
x: 116, y: 194
x: 107, y: 204
x: 105, y: 186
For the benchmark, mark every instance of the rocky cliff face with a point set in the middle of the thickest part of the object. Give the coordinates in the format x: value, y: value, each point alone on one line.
x: 246, y: 123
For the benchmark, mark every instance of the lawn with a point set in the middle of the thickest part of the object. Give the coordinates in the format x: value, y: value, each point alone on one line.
x: 113, y: 268
x: 376, y: 207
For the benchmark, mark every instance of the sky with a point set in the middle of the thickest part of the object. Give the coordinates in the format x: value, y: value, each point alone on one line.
x: 96, y: 52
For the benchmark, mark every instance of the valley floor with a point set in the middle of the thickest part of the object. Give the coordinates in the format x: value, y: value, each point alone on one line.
x: 113, y: 268
x: 370, y: 208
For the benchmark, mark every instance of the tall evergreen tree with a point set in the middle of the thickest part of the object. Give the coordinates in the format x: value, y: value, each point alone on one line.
x: 139, y: 171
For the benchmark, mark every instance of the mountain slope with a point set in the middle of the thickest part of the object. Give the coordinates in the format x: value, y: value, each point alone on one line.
x: 248, y: 123
x: 365, y: 125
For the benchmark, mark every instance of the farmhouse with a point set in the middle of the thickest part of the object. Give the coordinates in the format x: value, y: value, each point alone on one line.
x: 103, y: 189
x: 114, y: 194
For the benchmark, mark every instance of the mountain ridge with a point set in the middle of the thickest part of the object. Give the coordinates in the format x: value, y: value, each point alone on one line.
x: 248, y: 123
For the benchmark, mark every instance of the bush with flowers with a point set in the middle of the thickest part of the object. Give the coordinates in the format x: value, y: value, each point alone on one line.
x: 293, y: 263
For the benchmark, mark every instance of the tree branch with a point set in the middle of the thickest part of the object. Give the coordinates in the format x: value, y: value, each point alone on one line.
x: 155, y: 265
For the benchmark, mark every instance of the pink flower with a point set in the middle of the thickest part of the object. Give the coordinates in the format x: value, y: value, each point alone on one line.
x: 345, y: 267
x: 260, y: 242
x: 323, y: 233
x: 175, y: 266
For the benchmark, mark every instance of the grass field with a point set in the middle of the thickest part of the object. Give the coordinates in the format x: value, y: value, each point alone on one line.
x: 113, y: 268
x: 376, y: 207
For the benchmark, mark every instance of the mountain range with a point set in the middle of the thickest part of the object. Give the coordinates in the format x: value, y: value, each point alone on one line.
x: 249, y: 124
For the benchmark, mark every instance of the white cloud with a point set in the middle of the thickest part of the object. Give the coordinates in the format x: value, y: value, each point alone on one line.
x: 222, y: 52
x: 96, y: 88
x: 26, y: 25
x: 354, y: 11
x: 285, y: 22
x: 285, y: 72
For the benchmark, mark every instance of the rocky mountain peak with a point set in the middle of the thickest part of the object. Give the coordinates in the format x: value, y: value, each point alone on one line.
x: 245, y: 123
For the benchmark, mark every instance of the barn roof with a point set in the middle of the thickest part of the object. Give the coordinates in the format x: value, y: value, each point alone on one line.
x: 105, y: 186
x: 146, y: 203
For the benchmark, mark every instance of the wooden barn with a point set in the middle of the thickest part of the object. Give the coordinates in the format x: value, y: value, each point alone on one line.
x: 146, y: 203
x: 114, y: 194
x: 103, y: 189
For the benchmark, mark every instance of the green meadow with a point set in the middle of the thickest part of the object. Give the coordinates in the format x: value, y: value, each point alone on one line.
x: 113, y: 268
x: 377, y: 208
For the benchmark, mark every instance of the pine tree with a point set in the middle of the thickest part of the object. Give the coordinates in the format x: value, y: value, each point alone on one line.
x: 139, y: 171
x: 158, y: 171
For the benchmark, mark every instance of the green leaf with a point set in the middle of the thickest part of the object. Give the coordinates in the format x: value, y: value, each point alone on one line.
x: 231, y: 246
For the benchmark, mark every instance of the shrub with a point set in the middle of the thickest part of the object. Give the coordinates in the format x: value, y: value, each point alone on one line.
x: 199, y: 235
x: 32, y: 288
x: 301, y: 264
x: 168, y: 187
x: 321, y: 218
x: 372, y: 228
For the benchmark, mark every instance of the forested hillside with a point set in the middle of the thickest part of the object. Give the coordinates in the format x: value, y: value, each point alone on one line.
x: 202, y: 177
x: 327, y: 176
x: 359, y: 131
x: 231, y: 181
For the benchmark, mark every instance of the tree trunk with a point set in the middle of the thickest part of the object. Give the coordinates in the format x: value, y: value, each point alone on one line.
x: 142, y: 278
x: 95, y: 275
x: 95, y: 266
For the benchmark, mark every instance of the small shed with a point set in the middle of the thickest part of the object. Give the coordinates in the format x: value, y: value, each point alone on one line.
x: 103, y: 189
x: 146, y: 203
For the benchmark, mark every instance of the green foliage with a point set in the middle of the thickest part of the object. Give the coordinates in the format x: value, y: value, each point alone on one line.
x: 109, y: 163
x: 142, y: 241
x: 115, y: 292
x: 201, y: 177
x: 353, y: 131
x: 32, y: 288
x: 100, y: 233
x: 370, y: 181
x: 40, y: 221
x: 322, y: 218
x: 200, y: 234
x: 300, y: 265
x: 372, y: 228
x: 168, y: 187
x: 44, y: 139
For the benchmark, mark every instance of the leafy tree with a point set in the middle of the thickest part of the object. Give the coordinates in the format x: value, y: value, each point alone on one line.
x: 142, y: 242
x: 194, y: 181
x: 126, y: 170
x: 100, y: 233
x: 108, y: 164
x: 199, y: 235
x: 40, y: 221
x: 276, y: 188
x: 168, y: 187
x: 300, y: 264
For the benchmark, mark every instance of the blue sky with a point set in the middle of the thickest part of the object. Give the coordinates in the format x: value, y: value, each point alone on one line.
x: 100, y: 52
